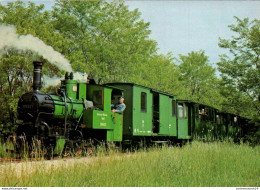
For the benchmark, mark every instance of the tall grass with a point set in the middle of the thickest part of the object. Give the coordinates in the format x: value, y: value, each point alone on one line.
x: 4, y: 147
x: 37, y: 151
x: 197, y: 164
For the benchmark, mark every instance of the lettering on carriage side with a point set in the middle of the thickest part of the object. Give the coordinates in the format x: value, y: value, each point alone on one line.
x: 170, y: 125
x: 142, y: 123
x: 103, y: 124
x: 102, y: 114
x: 103, y: 118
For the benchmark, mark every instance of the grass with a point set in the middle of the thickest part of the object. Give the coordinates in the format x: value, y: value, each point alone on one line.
x: 197, y: 164
x: 7, y: 150
x: 3, y: 148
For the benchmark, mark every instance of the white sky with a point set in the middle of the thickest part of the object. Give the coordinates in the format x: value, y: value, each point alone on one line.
x: 184, y: 26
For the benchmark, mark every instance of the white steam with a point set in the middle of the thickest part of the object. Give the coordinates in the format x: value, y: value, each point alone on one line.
x: 55, y: 81
x: 51, y: 81
x: 80, y: 77
x: 9, y: 38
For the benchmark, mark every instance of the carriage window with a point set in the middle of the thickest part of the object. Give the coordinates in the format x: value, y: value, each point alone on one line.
x: 221, y: 120
x: 173, y: 107
x: 143, y: 102
x: 197, y: 112
x: 218, y: 119
x: 180, y: 110
x: 98, y: 97
x: 213, y: 116
x: 231, y: 120
x: 235, y: 119
x: 185, y: 111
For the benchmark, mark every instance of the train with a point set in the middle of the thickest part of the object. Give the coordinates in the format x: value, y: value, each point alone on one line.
x: 80, y: 112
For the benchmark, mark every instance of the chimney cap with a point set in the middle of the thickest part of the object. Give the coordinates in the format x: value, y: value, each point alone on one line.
x: 38, y: 62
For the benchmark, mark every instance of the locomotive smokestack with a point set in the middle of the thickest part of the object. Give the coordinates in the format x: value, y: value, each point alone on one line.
x: 37, y: 72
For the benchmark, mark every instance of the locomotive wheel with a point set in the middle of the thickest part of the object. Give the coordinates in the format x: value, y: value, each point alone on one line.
x: 78, y: 153
x: 89, y: 151
x: 72, y: 149
x: 79, y: 148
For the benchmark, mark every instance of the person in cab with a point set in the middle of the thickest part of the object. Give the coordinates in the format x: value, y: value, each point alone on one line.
x: 120, y: 106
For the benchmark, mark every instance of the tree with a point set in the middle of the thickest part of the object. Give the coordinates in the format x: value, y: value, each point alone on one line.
x: 15, y: 79
x: 198, y: 78
x: 106, y: 39
x: 241, y: 69
x: 16, y: 66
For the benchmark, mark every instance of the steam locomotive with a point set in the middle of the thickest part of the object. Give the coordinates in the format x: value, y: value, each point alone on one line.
x: 81, y: 111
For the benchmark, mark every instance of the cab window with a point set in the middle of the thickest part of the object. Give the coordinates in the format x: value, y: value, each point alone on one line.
x: 98, y: 97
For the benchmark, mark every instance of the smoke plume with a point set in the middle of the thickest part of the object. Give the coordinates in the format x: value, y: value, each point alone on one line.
x: 55, y: 81
x: 9, y: 38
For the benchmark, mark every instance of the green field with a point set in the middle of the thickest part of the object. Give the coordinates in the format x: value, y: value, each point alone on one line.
x: 197, y: 164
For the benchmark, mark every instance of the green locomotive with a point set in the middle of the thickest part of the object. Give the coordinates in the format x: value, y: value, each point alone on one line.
x: 81, y: 111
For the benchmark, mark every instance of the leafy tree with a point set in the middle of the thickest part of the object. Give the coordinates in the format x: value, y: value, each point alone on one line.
x: 199, y: 79
x: 16, y: 66
x: 106, y: 39
x: 241, y: 69
x: 234, y: 101
x: 160, y: 72
x: 15, y: 79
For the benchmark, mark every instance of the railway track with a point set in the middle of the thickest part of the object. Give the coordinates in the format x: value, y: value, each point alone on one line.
x: 21, y: 167
x: 26, y: 167
x: 65, y: 156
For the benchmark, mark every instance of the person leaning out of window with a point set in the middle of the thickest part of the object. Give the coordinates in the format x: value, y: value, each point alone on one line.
x: 120, y: 106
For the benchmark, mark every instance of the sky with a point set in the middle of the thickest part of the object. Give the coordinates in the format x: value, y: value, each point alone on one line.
x: 184, y: 26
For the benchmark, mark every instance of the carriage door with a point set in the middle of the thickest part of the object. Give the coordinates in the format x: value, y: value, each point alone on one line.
x: 182, y: 121
x: 189, y: 118
x: 156, y: 114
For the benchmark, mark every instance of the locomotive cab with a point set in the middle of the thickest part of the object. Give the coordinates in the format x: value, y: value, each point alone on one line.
x: 100, y: 121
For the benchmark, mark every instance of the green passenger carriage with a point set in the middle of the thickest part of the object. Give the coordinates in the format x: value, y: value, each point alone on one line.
x: 149, y: 114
